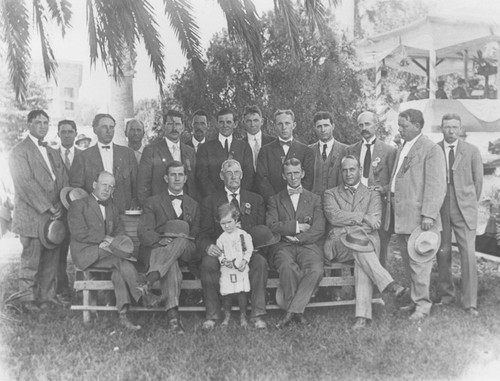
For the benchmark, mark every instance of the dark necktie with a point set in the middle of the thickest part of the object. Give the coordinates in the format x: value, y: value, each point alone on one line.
x: 105, y: 147
x: 323, y: 155
x: 226, y: 147
x: 234, y: 201
x: 367, y: 162
x: 174, y: 197
x: 41, y: 143
x: 451, y: 161
x: 292, y: 191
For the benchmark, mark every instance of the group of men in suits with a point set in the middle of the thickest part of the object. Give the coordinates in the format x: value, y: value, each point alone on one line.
x: 397, y: 191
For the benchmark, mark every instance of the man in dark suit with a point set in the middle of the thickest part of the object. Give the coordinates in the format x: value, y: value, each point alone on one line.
x: 459, y: 213
x: 66, y: 130
x: 272, y: 156
x: 158, y: 155
x: 354, y: 209
x: 377, y: 159
x: 38, y: 174
x: 297, y: 215
x: 110, y: 157
x: 94, y: 222
x: 199, y: 127
x: 252, y: 116
x: 213, y: 153
x: 252, y: 210
x: 165, y: 252
x: 327, y: 154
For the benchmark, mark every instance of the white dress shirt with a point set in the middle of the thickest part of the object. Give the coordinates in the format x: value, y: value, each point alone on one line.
x: 43, y: 151
x: 285, y: 146
x: 176, y: 204
x: 71, y: 156
x: 175, y: 149
x: 106, y: 156
x: 404, y: 152
x: 364, y: 180
x: 196, y: 143
x: 222, y: 140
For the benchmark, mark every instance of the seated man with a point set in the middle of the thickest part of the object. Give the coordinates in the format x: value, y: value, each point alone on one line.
x: 94, y: 224
x: 354, y: 213
x: 161, y: 215
x: 297, y: 215
x: 252, y: 210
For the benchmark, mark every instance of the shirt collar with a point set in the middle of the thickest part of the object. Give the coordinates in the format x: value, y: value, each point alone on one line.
x: 257, y: 136
x: 223, y: 138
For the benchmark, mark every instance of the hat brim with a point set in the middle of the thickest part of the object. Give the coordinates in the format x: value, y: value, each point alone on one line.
x: 355, y: 247
x: 274, y: 240
x: 280, y: 298
x: 176, y: 235
x: 42, y: 232
x: 411, y: 245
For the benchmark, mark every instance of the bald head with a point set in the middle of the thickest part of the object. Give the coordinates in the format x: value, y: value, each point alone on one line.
x: 367, y: 122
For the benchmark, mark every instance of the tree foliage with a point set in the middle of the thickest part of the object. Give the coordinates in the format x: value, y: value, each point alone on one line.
x: 323, y: 78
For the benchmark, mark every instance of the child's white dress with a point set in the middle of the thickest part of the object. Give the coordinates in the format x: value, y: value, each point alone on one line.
x: 236, y: 246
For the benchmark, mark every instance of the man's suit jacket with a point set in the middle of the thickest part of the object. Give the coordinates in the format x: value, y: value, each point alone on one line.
x: 467, y: 180
x: 344, y: 211
x: 269, y: 167
x: 35, y: 190
x: 381, y: 174
x: 154, y: 160
x: 158, y: 210
x: 252, y: 211
x: 334, y: 176
x: 420, y: 186
x: 282, y: 218
x: 210, y: 157
x: 88, y: 229
x: 88, y: 165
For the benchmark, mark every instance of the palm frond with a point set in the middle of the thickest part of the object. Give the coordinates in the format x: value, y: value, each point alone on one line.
x: 291, y: 20
x: 60, y: 10
x: 49, y: 61
x: 180, y: 13
x: 15, y: 21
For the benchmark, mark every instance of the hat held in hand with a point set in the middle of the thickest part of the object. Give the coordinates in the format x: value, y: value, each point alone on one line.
x: 262, y: 236
x: 177, y: 229
x: 51, y: 232
x: 424, y: 244
x: 123, y: 247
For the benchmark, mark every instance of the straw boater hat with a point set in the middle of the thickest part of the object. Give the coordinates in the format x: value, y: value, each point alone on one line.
x: 357, y: 240
x: 69, y: 194
x: 123, y: 247
x: 177, y: 229
x: 262, y: 236
x: 424, y: 244
x: 51, y: 232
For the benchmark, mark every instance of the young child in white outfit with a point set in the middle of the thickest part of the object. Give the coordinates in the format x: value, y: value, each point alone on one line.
x: 237, y: 246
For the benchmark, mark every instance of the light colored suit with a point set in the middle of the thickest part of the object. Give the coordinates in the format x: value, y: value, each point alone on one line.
x: 333, y: 175
x: 420, y: 189
x: 344, y: 211
x: 459, y: 212
x: 87, y: 165
x: 300, y: 265
x: 35, y: 193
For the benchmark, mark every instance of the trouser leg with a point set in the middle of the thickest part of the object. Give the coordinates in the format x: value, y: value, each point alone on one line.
x: 210, y: 275
x: 257, y: 274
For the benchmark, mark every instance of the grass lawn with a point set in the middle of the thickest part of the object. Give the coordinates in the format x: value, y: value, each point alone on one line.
x: 448, y: 345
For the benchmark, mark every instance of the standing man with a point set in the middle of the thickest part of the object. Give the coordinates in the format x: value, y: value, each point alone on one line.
x: 459, y: 213
x: 377, y: 159
x: 109, y: 157
x: 134, y: 131
x: 212, y: 154
x: 158, y: 211
x: 252, y: 117
x: 156, y: 157
x: 66, y: 130
x: 327, y: 154
x: 96, y: 227
x: 38, y: 174
x: 297, y: 215
x: 269, y: 179
x: 199, y: 127
x: 354, y: 213
x: 417, y: 191
x: 252, y: 210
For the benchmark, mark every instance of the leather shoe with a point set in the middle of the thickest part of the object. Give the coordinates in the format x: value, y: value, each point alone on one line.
x: 208, y: 325
x: 301, y: 319
x: 259, y: 323
x: 360, y: 324
x: 417, y: 316
x: 125, y: 322
x: 472, y: 312
x: 175, y: 326
x: 287, y: 319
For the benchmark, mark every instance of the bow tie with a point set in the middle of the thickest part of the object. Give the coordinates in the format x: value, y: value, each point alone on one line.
x: 350, y: 188
x: 292, y: 191
x: 103, y: 203
x: 41, y: 143
x: 287, y: 143
x: 175, y: 197
x: 106, y: 147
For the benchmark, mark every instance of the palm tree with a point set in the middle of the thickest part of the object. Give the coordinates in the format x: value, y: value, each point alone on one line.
x: 116, y: 26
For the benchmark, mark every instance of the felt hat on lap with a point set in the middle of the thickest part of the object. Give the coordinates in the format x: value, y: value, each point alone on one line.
x: 51, y: 232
